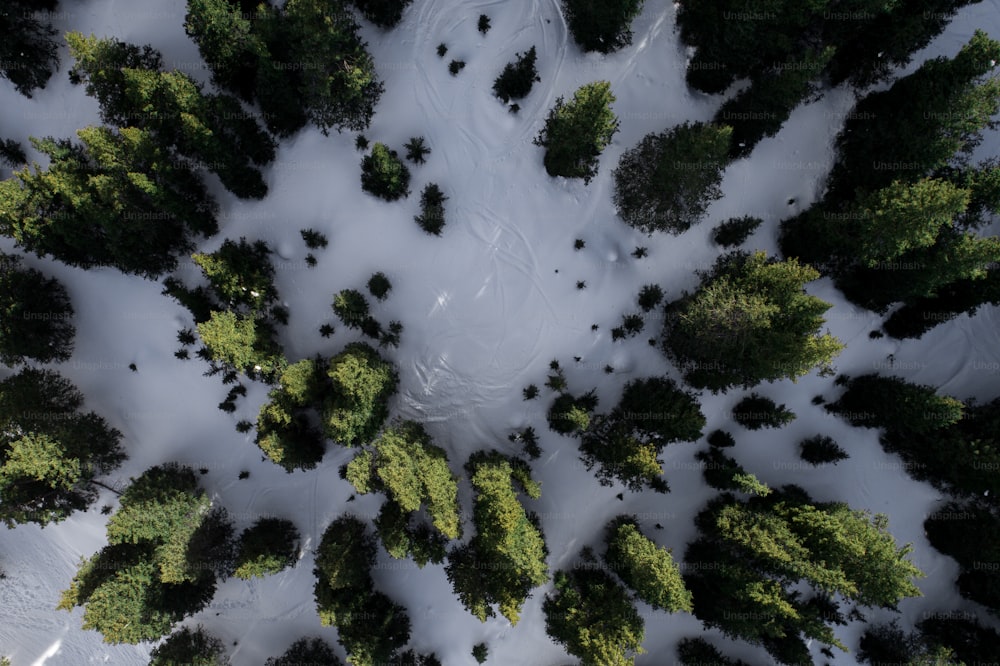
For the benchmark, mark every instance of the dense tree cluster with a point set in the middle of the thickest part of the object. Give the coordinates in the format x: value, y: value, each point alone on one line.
x: 29, y: 54
x: 50, y: 451
x: 268, y: 546
x: 944, y: 638
x: 756, y: 559
x: 356, y: 406
x: 284, y: 429
x: 413, y: 473
x: 211, y: 131
x: 370, y: 626
x: 517, y: 78
x: 900, y: 218
x: 577, y: 132
x: 166, y: 546
x: 625, y: 444
x: 668, y: 180
x: 647, y: 569
x: 505, y: 558
x: 749, y: 321
x: 117, y: 198
x: 302, y: 62
x: 37, y: 315
x: 187, y: 647
x: 969, y: 531
x: 383, y: 13
x: 306, y: 651
x: 952, y: 445
x: 601, y: 26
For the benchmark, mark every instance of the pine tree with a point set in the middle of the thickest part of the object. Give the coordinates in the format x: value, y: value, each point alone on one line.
x: 241, y: 275
x: 284, y: 431
x: 875, y: 401
x: 383, y: 13
x: 821, y: 449
x: 28, y: 53
x: 699, y: 652
x: 667, y: 181
x: 384, y: 174
x: 506, y: 557
x: 50, y: 451
x: 756, y: 411
x: 602, y: 27
x: 517, y: 78
x: 227, y: 41
x: 362, y: 383
x: 644, y: 567
x: 749, y: 321
x: 96, y: 202
x: 189, y: 648
x: 38, y: 313
x: 576, y: 133
x: 724, y: 473
x: 306, y: 651
x: 968, y: 532
x: 569, y: 414
x: 735, y: 230
x: 243, y: 342
x: 592, y: 616
x: 166, y: 546
x: 416, y: 150
x: 211, y: 130
x: 268, y: 546
x: 431, y: 218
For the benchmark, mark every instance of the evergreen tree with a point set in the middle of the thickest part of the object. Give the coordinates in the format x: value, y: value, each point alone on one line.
x: 356, y: 407
x: 50, y: 451
x: 755, y: 412
x: 970, y: 641
x: 243, y: 342
x: 416, y: 150
x: 241, y: 275
x: 166, y: 546
x: 724, y: 473
x: 306, y: 651
x: 431, y: 218
x: 28, y: 53
x: 384, y: 174
x: 699, y: 652
x: 189, y: 648
x: 383, y: 13
x: 37, y: 322
x: 480, y: 652
x: 735, y: 230
x: 506, y: 557
x: 268, y: 546
x: 96, y: 202
x: 749, y: 321
x: 517, y: 77
x: 12, y: 154
x: 284, y: 431
x: 211, y: 130
x: 876, y: 401
x: 821, y: 449
x: 667, y: 181
x: 576, y: 133
x: 752, y: 553
x: 370, y: 626
x: 570, y: 415
x: 592, y: 616
x: 644, y: 567
x: 601, y: 26
x: 968, y: 532
x: 413, y: 473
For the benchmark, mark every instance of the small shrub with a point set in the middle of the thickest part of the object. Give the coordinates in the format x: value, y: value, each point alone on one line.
x: 484, y: 27
x: 517, y: 78
x: 390, y: 338
x: 640, y: 252
x: 313, y: 239
x: 326, y: 330
x: 384, y: 175
x: 311, y: 260
x: 186, y: 336
x: 721, y: 439
x: 530, y: 392
x: 379, y: 286
x: 361, y: 142
x: 243, y: 426
x: 431, y: 218
x: 579, y: 244
x: 821, y: 449
x: 582, y: 284
x: 633, y: 324
x: 480, y: 651
x: 649, y: 297
x: 735, y: 230
x: 455, y: 66
x: 351, y: 307
x: 442, y: 49
x: 755, y: 412
x: 569, y: 415
x: 416, y: 150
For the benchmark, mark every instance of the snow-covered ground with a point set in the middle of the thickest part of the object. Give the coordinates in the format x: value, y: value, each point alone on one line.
x: 485, y: 308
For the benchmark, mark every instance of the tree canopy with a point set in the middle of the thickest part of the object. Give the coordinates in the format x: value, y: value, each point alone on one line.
x: 577, y: 132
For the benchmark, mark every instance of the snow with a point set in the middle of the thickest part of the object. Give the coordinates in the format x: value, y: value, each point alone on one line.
x: 485, y: 307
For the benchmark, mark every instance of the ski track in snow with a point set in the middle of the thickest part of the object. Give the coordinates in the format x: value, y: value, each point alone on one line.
x: 485, y: 307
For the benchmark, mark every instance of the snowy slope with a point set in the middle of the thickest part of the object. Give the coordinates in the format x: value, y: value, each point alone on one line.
x: 485, y: 308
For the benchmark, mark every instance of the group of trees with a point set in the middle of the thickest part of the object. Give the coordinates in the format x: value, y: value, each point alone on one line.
x: 167, y: 545
x: 750, y: 320
x: 303, y: 61
x: 38, y: 314
x: 51, y: 452
x: 505, y: 558
x: 860, y: 41
x: 901, y: 216
x: 404, y: 464
x: 594, y: 616
x: 601, y: 26
x: 624, y: 444
x: 945, y: 638
x: 371, y: 627
x: 769, y: 569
